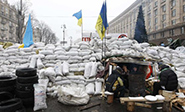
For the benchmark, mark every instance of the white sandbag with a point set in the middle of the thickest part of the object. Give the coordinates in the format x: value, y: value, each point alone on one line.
x: 58, y: 68
x: 39, y: 97
x: 123, y: 39
x: 50, y: 57
x: 33, y: 62
x: 180, y: 74
x: 81, y: 53
x: 2, y: 74
x: 26, y: 65
x: 84, y: 46
x: 181, y: 82
x: 50, y: 47
x: 39, y: 44
x: 73, y: 49
x: 1, y: 48
x: 46, y: 52
x: 60, y: 52
x: 93, y: 70
x: 28, y: 49
x: 85, y: 56
x: 62, y: 57
x: 50, y: 73
x: 73, y: 94
x: 11, y: 57
x: 152, y: 52
x: 129, y: 42
x: 74, y: 53
x: 180, y: 68
x: 90, y: 88
x: 76, y: 77
x: 5, y: 55
x: 11, y: 50
x: 59, y: 48
x: 39, y: 64
x: 65, y: 68
x: 63, y: 82
x: 88, y: 68
x: 144, y: 45
x: 93, y: 59
x: 98, y: 85
x: 42, y: 74
x: 83, y: 43
x: 73, y: 61
x: 86, y: 61
x: 75, y: 46
x: 75, y: 58
x: 50, y: 65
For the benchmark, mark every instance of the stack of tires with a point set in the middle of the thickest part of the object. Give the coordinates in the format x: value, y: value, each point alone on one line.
x: 26, y: 77
x: 7, y: 83
x: 7, y: 101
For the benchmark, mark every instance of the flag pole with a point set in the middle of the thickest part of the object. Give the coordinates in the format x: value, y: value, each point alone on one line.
x: 82, y: 29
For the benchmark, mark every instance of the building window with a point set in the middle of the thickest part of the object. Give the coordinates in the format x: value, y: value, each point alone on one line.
x: 173, y: 3
x: 174, y: 13
x: 149, y: 16
x: 155, y: 22
x: 164, y: 8
x: 149, y: 23
x: 163, y: 0
x: 162, y: 34
x: 173, y: 22
x: 182, y: 30
x: 149, y: 8
x: 154, y: 36
x: 164, y: 25
x: 155, y: 12
x: 184, y: 18
x: 163, y: 17
x: 183, y: 8
x: 156, y: 4
x: 156, y: 27
x: 172, y: 32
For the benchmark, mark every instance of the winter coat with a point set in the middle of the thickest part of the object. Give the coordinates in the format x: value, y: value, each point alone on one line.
x: 168, y: 78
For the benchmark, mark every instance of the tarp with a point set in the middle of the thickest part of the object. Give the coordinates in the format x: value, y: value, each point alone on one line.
x: 28, y: 36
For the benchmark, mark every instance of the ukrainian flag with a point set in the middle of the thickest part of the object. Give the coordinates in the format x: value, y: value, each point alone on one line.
x: 78, y: 15
x: 101, y: 24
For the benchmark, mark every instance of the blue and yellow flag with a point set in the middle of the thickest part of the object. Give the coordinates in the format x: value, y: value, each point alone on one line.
x: 101, y: 24
x: 78, y: 15
x: 28, y: 36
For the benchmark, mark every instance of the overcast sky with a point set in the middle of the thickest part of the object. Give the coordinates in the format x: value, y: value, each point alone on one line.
x: 55, y: 13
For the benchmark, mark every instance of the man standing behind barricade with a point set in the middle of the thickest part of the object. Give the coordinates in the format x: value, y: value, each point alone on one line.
x: 168, y: 80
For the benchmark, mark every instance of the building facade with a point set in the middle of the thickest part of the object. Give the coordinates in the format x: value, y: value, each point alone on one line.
x: 8, y: 22
x: 164, y: 20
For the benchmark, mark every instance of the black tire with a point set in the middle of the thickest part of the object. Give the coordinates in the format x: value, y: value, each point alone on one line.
x: 11, y: 105
x: 10, y: 89
x: 26, y: 72
x: 24, y: 94
x: 28, y: 102
x: 24, y: 87
x: 7, y: 81
x: 5, y: 96
x: 26, y: 80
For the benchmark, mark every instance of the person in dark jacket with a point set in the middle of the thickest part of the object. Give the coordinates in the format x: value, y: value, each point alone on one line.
x: 115, y: 83
x: 168, y: 80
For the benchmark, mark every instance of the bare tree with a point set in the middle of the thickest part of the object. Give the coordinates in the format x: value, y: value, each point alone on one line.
x: 47, y: 35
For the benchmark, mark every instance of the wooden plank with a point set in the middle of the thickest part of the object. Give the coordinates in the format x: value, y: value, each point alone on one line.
x: 143, y: 105
x: 126, y: 99
x: 89, y: 105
